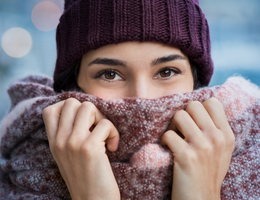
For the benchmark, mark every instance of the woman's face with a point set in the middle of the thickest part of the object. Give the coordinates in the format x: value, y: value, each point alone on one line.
x: 135, y: 69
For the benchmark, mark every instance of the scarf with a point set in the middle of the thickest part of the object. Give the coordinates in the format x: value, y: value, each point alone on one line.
x: 142, y: 168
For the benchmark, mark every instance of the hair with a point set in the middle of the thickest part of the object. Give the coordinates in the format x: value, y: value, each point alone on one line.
x: 68, y: 79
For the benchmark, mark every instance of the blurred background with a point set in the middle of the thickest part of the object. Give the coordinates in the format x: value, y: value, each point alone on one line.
x: 27, y: 39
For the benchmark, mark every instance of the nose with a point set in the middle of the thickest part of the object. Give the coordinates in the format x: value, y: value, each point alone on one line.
x: 142, y: 89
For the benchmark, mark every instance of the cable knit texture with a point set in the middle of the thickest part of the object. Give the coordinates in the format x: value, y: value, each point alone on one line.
x: 89, y: 24
x: 143, y: 169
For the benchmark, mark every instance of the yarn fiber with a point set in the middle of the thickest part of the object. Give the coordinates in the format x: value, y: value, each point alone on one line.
x: 142, y: 168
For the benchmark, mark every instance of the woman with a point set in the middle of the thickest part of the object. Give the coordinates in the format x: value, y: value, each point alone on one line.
x: 143, y: 49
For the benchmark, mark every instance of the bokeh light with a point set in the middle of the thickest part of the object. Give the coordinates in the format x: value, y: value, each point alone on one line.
x: 16, y: 42
x: 46, y: 15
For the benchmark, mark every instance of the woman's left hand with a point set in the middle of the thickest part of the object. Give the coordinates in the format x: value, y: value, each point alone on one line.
x: 202, y: 158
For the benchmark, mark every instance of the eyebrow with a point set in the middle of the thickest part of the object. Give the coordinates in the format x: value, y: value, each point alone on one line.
x: 167, y: 59
x: 116, y: 62
x: 108, y: 61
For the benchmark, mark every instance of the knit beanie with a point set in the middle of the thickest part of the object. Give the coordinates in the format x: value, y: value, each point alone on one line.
x: 89, y: 24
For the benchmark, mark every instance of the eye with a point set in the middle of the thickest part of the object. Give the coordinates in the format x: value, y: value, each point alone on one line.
x: 108, y: 75
x: 166, y: 73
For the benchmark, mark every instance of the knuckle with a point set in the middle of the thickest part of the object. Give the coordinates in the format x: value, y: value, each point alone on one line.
x: 218, y: 140
x: 167, y: 136
x: 206, y: 147
x: 71, y: 101
x: 87, y: 149
x: 106, y: 123
x: 189, y: 157
x: 222, y: 141
x: 213, y: 101
x: 89, y: 105
x: 179, y: 115
x: 71, y: 146
x: 58, y: 147
x: 48, y: 111
x: 193, y: 104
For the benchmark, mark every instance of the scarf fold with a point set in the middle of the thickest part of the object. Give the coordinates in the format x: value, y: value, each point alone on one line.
x: 142, y: 168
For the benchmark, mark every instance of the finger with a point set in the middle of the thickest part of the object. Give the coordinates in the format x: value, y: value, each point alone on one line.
x: 200, y: 116
x: 87, y: 116
x: 218, y: 116
x: 51, y: 117
x: 67, y: 118
x: 216, y: 112
x: 187, y: 126
x: 174, y: 142
x: 106, y: 132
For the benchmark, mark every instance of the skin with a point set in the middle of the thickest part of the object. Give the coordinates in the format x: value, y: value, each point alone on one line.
x: 143, y: 70
x: 138, y: 71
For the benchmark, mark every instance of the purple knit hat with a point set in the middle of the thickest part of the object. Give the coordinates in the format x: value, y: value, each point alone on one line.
x: 89, y: 24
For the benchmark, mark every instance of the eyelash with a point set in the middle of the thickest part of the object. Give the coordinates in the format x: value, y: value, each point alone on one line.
x: 173, y: 70
x: 103, y: 72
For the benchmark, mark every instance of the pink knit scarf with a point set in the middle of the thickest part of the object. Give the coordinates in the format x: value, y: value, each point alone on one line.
x: 143, y: 169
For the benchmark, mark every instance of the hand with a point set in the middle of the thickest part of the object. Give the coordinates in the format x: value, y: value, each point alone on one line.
x: 202, y: 158
x: 80, y: 153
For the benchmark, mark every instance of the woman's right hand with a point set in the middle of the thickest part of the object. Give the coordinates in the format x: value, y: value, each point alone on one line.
x: 79, y: 151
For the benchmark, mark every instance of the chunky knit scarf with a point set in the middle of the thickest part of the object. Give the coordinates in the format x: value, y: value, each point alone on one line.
x: 143, y: 169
